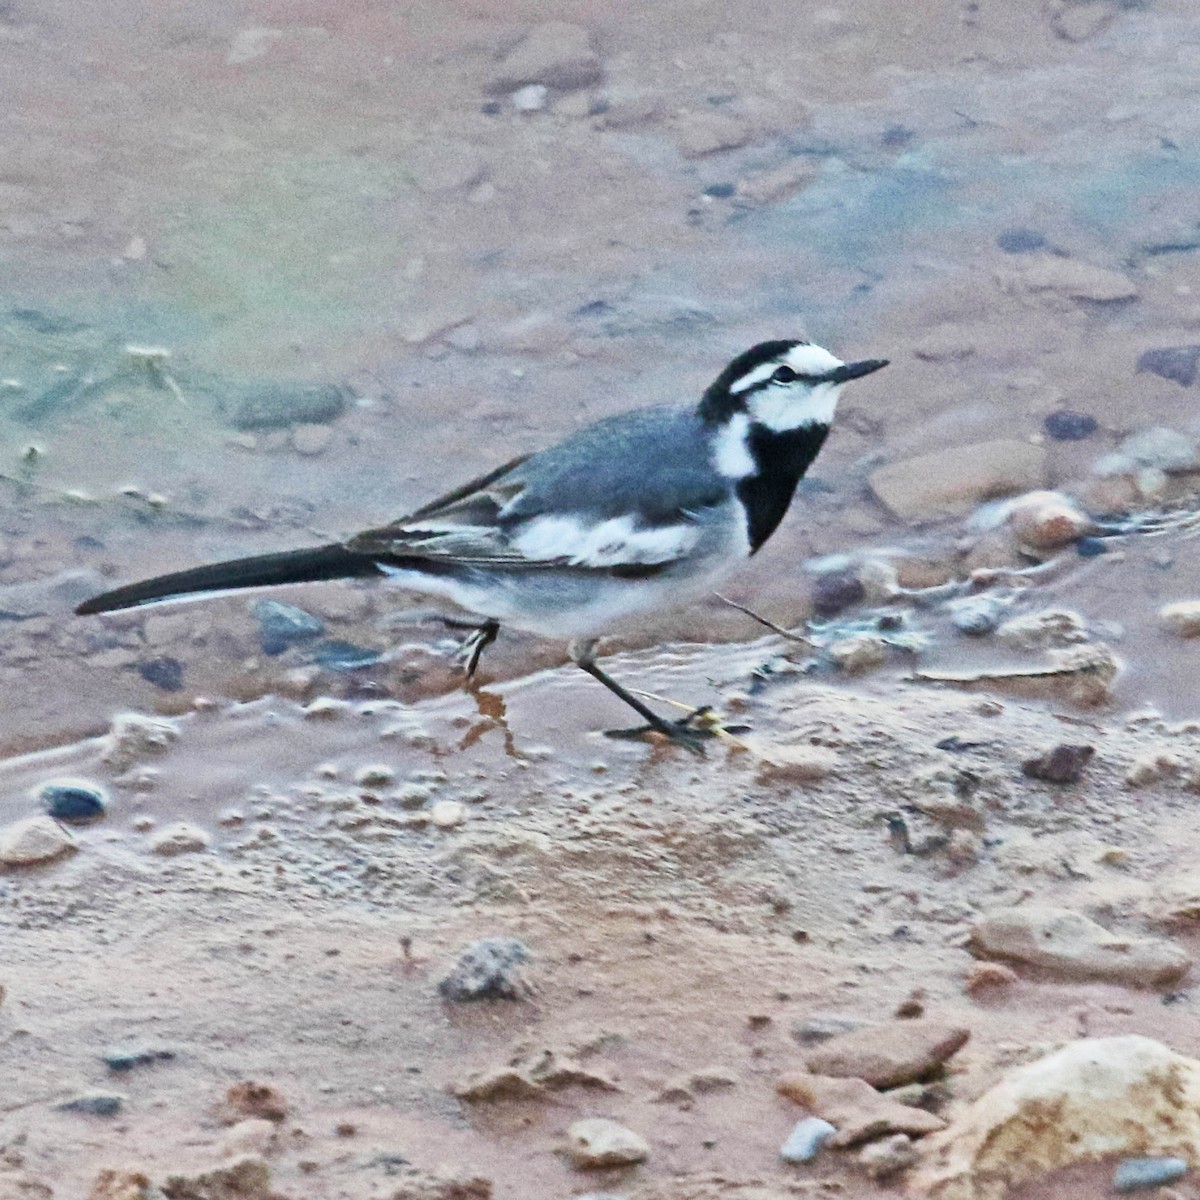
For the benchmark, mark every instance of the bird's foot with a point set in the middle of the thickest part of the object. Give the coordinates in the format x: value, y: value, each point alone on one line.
x: 474, y: 644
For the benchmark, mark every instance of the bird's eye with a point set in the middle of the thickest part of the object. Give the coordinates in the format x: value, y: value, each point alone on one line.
x: 785, y: 375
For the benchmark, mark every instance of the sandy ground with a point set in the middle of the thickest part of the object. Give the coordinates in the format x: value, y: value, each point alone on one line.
x: 313, y: 194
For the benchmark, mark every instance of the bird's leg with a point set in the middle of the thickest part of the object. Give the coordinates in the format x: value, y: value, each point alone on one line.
x: 584, y: 655
x: 479, y: 638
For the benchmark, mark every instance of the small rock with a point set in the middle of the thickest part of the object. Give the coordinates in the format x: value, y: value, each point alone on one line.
x: 374, y: 775
x: 950, y: 484
x: 278, y: 406
x: 531, y: 98
x: 889, y: 1055
x: 555, y: 54
x: 1095, y: 1098
x: 1071, y: 280
x: 133, y: 737
x: 247, y: 1178
x: 113, y: 1184
x: 805, y: 1141
x: 1066, y: 426
x: 344, y: 656
x: 1181, y: 618
x: 165, y: 673
x: 597, y: 1142
x: 1052, y: 627
x: 812, y: 1031
x: 1160, y: 449
x: 859, y: 653
x: 489, y: 969
x: 75, y: 801
x: 1091, y: 547
x: 1021, y: 241
x: 34, y: 840
x: 712, y: 1079
x: 945, y: 343
x: 1142, y: 1174
x: 252, y: 1100
x: 1176, y: 363
x: 532, y: 1072
x: 179, y: 838
x: 256, y: 1135
x: 448, y: 814
x: 700, y: 133
x: 93, y: 1104
x: 795, y: 763
x: 1047, y: 520
x: 888, y: 1156
x: 856, y: 1108
x: 281, y: 626
x: 442, y: 1185
x: 989, y: 977
x: 770, y: 187
x: 127, y: 1058
x: 976, y: 616
x: 1074, y: 947
x: 836, y: 591
x: 1065, y: 763
x: 311, y: 440
x: 44, y: 597
x: 1151, y: 768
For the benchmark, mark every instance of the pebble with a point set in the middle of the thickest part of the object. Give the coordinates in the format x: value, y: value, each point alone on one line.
x: 344, y: 656
x: 1160, y: 449
x: 256, y: 1135
x: 1142, y: 1174
x: 133, y: 736
x: 555, y: 54
x: 488, y: 969
x: 164, y: 672
x: 448, y: 814
x: 701, y: 133
x: 1181, y: 617
x: 888, y: 1156
x: 93, y: 1104
x: 281, y: 626
x: 126, y: 1058
x: 246, y: 1178
x: 1073, y: 946
x: 531, y: 98
x: 1067, y: 426
x: 945, y: 343
x: 1176, y: 363
x: 374, y: 775
x: 281, y: 405
x: 976, y: 616
x: 1052, y: 627
x: 859, y: 653
x: 805, y: 1141
x: 34, y: 840
x: 1021, y: 241
x: 836, y: 591
x: 55, y: 595
x: 939, y: 483
x: 1091, y: 547
x: 72, y: 801
x: 117, y: 1184
x: 311, y: 440
x: 890, y: 1055
x: 179, y: 838
x: 989, y: 977
x: 1064, y: 763
x: 814, y: 1030
x: 1047, y: 520
x: 1071, y: 280
x: 597, y: 1142
x: 857, y: 1110
x: 250, y: 1099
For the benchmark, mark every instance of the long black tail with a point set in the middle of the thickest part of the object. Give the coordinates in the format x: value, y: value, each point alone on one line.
x: 263, y: 570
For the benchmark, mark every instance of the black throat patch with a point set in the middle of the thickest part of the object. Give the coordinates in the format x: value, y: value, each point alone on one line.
x: 781, y: 459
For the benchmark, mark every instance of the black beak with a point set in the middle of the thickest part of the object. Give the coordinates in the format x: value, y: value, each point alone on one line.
x: 848, y: 371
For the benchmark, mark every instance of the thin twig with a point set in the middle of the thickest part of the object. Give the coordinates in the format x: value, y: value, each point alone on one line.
x: 779, y: 629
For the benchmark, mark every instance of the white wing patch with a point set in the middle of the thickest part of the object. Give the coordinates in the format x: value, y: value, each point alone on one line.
x: 616, y: 542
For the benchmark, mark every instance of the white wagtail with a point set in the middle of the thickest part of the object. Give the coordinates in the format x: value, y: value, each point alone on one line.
x: 642, y: 511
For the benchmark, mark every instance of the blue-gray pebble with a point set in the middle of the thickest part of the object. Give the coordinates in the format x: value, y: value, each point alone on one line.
x: 1142, y: 1174
x: 806, y: 1139
x: 72, y: 802
x: 283, y: 625
x: 344, y: 656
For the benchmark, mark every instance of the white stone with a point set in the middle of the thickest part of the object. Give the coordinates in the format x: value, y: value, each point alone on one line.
x: 598, y: 1142
x: 34, y: 840
x: 179, y: 838
x: 530, y: 98
x: 1094, y: 1099
x: 1161, y: 448
x: 448, y: 814
x: 1182, y: 617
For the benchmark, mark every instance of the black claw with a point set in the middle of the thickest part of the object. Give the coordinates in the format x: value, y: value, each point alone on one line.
x: 680, y: 732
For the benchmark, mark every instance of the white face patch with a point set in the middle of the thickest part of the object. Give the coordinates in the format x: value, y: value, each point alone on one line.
x: 784, y: 406
x: 616, y: 542
x: 731, y: 455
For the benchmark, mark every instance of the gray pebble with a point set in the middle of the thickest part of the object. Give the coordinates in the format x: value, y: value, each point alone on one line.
x: 823, y: 1026
x: 93, y: 1104
x: 806, y: 1139
x: 1176, y: 363
x: 344, y: 656
x: 278, y: 405
x: 1142, y: 1174
x: 283, y: 625
x: 126, y: 1058
x: 489, y: 969
x: 977, y: 616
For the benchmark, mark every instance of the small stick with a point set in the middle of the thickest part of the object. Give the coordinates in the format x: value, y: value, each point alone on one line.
x: 779, y: 629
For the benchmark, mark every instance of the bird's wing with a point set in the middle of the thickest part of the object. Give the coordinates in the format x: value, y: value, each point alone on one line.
x: 558, y: 509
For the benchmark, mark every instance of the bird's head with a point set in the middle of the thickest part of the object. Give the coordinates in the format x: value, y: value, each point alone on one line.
x: 782, y: 386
